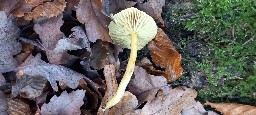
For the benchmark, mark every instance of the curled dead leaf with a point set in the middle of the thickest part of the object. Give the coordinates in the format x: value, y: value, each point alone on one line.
x: 102, y: 54
x: 29, y: 86
x: 34, y: 66
x: 111, y: 86
x: 71, y: 105
x: 233, y: 108
x: 170, y: 101
x: 86, y: 15
x: 163, y: 54
x: 153, y: 8
x: 33, y: 9
x: 127, y: 105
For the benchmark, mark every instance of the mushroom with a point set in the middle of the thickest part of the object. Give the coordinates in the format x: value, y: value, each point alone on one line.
x: 132, y: 29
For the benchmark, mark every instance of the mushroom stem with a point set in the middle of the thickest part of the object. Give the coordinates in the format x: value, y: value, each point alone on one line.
x: 127, y: 75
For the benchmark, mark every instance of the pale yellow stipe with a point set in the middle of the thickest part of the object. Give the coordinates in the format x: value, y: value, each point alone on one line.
x: 127, y: 75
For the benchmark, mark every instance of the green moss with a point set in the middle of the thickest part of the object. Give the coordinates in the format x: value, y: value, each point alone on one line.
x: 226, y: 31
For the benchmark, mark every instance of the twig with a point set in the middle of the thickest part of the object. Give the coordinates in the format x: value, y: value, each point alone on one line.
x: 233, y: 33
x: 251, y: 39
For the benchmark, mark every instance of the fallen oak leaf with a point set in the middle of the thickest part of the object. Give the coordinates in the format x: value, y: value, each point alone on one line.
x: 49, y: 33
x: 86, y: 15
x: 145, y: 86
x: 77, y: 40
x: 164, y: 55
x: 153, y: 8
x: 34, y: 66
x: 8, y: 5
x: 29, y: 86
x: 170, y: 101
x: 111, y: 86
x: 233, y: 108
x: 127, y: 104
x: 8, y: 45
x: 71, y: 105
x: 33, y: 9
x: 102, y: 54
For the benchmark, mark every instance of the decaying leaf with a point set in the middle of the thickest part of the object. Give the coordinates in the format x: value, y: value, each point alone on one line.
x: 128, y: 102
x: 65, y: 104
x: 77, y: 40
x: 3, y: 105
x: 2, y: 80
x: 145, y: 82
x: 145, y: 86
x: 153, y: 8
x: 29, y: 86
x: 233, y: 108
x: 170, y: 101
x: 109, y: 73
x: 8, y: 5
x: 97, y: 8
x: 34, y: 66
x: 102, y: 54
x: 26, y: 51
x: 8, y: 44
x: 86, y: 15
x: 164, y: 55
x: 50, y: 34
x: 18, y: 107
x: 33, y: 9
x: 197, y: 109
x: 114, y: 6
x: 127, y: 105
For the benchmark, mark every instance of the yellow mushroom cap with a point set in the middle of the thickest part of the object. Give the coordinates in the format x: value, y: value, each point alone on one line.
x: 132, y: 20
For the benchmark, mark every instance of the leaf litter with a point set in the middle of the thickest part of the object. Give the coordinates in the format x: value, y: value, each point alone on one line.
x: 84, y: 67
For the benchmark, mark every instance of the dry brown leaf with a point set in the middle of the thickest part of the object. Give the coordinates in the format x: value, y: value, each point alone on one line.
x: 164, y: 55
x: 34, y: 66
x: 102, y: 54
x: 26, y: 51
x: 170, y: 101
x: 2, y: 80
x: 233, y: 108
x: 86, y: 15
x: 71, y: 4
x: 8, y: 44
x: 197, y: 109
x: 145, y: 86
x: 115, y: 6
x: 126, y: 105
x: 42, y: 98
x: 65, y: 104
x: 111, y: 86
x: 153, y: 8
x: 148, y: 66
x: 77, y: 40
x: 103, y: 19
x: 33, y: 9
x: 3, y: 105
x: 49, y: 33
x: 29, y: 86
x: 18, y: 107
x: 8, y: 5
